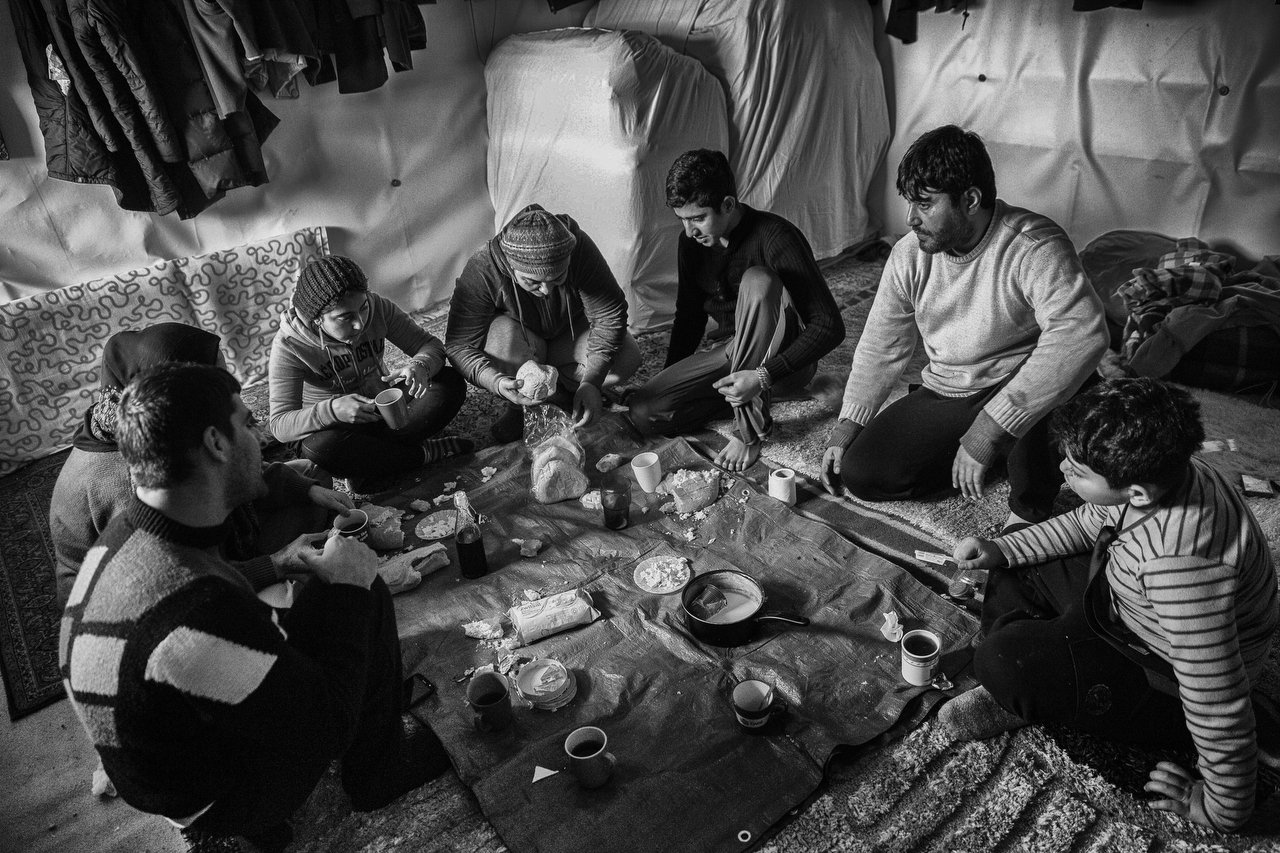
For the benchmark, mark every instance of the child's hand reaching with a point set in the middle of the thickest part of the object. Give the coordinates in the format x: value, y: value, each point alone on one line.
x: 973, y: 553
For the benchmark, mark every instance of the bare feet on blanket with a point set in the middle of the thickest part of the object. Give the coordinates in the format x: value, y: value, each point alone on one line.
x: 737, y: 456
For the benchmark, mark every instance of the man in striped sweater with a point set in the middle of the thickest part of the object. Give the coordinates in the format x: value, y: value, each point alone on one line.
x: 754, y: 273
x: 204, y: 706
x: 1162, y: 633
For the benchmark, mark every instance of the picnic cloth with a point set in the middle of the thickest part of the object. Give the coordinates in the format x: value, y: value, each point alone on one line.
x: 662, y: 696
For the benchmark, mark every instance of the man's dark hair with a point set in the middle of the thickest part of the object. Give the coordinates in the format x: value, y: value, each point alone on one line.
x: 1131, y: 431
x: 164, y: 412
x: 701, y: 177
x: 947, y: 160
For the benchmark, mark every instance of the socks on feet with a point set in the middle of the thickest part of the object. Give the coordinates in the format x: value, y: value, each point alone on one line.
x: 435, y: 449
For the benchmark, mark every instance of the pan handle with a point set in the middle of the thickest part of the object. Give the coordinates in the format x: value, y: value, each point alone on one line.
x: 779, y: 616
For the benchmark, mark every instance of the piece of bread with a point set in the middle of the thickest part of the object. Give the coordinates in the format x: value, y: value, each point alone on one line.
x: 538, y: 380
x: 556, y: 447
x: 558, y: 480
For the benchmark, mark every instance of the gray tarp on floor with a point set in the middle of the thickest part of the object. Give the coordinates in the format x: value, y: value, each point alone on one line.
x: 687, y: 778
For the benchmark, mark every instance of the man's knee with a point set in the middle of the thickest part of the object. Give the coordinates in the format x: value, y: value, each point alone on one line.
x: 506, y: 343
x: 870, y: 477
x: 643, y: 408
x: 626, y: 362
x: 759, y: 283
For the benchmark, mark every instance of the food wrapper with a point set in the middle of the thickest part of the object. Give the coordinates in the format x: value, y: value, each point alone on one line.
x: 542, y: 617
x: 403, y: 572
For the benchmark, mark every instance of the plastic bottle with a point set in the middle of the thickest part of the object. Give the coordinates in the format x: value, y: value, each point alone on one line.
x: 469, y: 539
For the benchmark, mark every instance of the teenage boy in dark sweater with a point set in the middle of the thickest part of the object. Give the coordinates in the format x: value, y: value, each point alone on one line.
x: 754, y: 273
x: 1158, y: 622
x: 204, y: 706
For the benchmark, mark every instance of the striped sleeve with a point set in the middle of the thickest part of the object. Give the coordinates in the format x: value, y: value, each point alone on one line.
x: 1060, y: 536
x: 1193, y: 600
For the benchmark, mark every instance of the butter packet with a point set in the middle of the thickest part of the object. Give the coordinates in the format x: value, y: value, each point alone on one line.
x: 542, y: 617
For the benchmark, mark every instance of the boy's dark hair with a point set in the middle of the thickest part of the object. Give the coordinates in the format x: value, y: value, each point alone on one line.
x: 947, y: 160
x: 701, y: 177
x: 164, y: 412
x: 1131, y: 431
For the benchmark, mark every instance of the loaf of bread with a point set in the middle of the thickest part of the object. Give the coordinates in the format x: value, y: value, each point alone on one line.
x: 538, y: 381
x: 557, y: 480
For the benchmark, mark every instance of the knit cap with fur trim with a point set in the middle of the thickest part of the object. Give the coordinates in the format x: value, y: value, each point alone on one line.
x: 537, y: 243
x: 323, y: 282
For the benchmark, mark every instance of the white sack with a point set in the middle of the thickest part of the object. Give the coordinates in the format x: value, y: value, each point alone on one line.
x: 587, y: 122
x: 808, y: 120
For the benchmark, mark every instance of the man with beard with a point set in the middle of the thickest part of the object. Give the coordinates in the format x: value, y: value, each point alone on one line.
x: 205, y: 705
x: 1009, y: 322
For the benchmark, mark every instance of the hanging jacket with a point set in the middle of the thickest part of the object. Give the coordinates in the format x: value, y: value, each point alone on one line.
x: 73, y: 149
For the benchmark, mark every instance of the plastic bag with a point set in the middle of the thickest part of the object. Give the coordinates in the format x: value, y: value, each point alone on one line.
x: 556, y: 471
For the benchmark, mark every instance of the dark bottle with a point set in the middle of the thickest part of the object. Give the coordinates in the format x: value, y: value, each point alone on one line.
x: 469, y: 539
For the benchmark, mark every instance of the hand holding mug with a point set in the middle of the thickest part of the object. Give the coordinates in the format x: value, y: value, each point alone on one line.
x: 355, y: 409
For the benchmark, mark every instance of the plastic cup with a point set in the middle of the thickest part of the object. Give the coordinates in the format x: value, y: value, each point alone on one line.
x: 615, y: 501
x: 393, y: 407
x: 648, y: 471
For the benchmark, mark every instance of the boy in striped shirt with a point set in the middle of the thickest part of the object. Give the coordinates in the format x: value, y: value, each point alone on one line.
x: 1159, y: 633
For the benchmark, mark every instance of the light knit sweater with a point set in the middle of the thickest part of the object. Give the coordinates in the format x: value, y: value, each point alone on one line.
x: 1020, y: 297
x: 1195, y: 582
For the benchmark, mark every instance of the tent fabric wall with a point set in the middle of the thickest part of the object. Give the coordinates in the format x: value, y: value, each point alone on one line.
x: 1165, y: 119
x: 808, y: 119
x: 397, y: 175
x: 587, y: 122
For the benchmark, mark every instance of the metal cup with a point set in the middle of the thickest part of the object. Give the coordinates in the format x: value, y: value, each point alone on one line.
x: 393, y: 407
x: 591, y: 764
x: 920, y: 652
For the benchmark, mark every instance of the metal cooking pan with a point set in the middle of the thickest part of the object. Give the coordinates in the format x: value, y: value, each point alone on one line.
x: 735, y: 623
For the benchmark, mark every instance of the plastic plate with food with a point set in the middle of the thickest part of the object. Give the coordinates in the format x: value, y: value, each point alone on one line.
x: 438, y: 525
x: 662, y: 575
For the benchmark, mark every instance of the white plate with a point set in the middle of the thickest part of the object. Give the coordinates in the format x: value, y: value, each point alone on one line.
x: 438, y: 525
x: 661, y: 575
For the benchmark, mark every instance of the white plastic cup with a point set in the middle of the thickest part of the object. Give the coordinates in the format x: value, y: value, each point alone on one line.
x: 782, y: 486
x: 648, y: 470
x: 920, y: 652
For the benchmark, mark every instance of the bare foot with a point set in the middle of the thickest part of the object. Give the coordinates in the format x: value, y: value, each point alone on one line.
x: 737, y: 456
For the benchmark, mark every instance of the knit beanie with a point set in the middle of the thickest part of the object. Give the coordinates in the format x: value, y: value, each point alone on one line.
x: 323, y: 282
x: 537, y: 243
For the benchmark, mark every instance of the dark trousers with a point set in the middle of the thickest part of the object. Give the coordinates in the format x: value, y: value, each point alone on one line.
x: 680, y: 399
x: 907, y: 450
x: 374, y: 451
x: 275, y: 783
x: 1042, y: 661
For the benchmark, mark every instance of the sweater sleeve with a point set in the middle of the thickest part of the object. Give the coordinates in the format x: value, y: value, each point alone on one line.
x: 1061, y: 536
x: 1194, y: 603
x: 605, y: 307
x: 285, y: 486
x: 411, y: 339
x: 289, y: 419
x: 886, y: 345
x: 691, y: 306
x: 823, y: 331
x: 471, y: 310
x: 1073, y: 336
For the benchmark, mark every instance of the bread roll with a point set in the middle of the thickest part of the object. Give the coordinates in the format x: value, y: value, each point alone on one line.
x: 538, y: 380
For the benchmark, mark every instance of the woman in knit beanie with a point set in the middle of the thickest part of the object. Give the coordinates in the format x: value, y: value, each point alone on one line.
x: 327, y: 367
x: 540, y: 291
